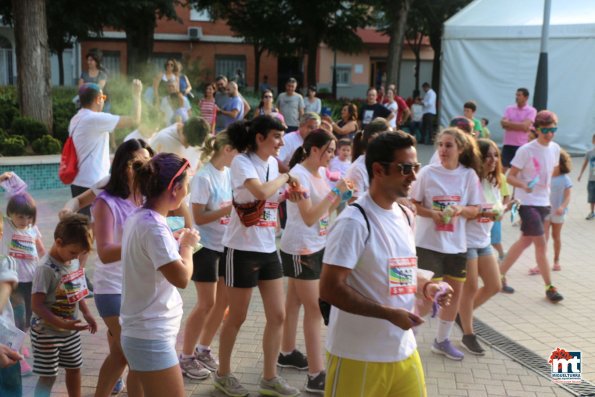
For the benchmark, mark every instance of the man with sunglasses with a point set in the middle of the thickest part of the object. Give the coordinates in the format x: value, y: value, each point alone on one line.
x: 517, y: 122
x: 531, y: 173
x: 370, y: 278
x: 90, y: 130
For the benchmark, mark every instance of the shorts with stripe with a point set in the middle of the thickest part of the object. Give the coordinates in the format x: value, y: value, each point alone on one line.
x: 302, y: 267
x: 244, y: 269
x: 53, y: 351
x: 453, y: 266
x: 346, y: 377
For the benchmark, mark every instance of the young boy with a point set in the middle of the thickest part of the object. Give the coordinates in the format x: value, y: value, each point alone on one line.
x: 590, y: 159
x: 469, y: 109
x: 531, y: 175
x: 59, y: 289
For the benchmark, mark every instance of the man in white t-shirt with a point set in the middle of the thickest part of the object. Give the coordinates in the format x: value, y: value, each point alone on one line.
x: 90, y: 129
x: 429, y: 114
x: 308, y: 123
x: 183, y: 139
x: 531, y: 173
x: 371, y: 280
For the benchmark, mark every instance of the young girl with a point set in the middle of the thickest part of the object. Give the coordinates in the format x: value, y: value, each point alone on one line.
x: 250, y: 253
x: 302, y: 248
x: 59, y: 289
x: 211, y: 207
x: 208, y: 109
x: 559, y: 198
x: 110, y: 210
x: 480, y: 258
x: 446, y: 195
x: 154, y: 266
x: 22, y: 241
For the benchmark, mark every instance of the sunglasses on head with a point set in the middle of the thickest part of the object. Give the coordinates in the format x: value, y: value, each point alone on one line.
x: 548, y: 130
x: 180, y: 171
x: 406, y: 168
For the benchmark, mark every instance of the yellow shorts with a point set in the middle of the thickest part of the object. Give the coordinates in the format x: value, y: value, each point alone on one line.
x: 352, y: 378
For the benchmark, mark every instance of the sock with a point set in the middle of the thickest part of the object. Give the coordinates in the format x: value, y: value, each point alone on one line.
x: 187, y: 356
x: 548, y: 286
x: 314, y: 375
x: 202, y: 348
x: 287, y: 353
x: 444, y: 330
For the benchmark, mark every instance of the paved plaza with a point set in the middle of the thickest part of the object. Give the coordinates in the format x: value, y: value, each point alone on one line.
x: 525, y: 317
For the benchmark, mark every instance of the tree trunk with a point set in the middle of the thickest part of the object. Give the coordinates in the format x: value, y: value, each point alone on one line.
x: 33, y: 60
x: 257, y: 54
x: 311, y: 68
x: 397, y: 35
x: 60, y: 55
x: 436, y: 43
x: 139, y: 44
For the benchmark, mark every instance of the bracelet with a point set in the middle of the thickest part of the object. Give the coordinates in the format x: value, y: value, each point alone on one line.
x: 425, y: 290
x: 332, y: 196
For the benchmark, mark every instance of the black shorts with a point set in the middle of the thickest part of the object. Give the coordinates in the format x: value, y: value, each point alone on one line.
x: 532, y: 218
x: 302, y: 267
x: 453, y: 266
x: 206, y: 267
x: 508, y: 152
x: 591, y: 192
x: 244, y: 269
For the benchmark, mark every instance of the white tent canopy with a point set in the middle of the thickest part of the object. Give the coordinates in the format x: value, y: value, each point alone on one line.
x: 491, y: 48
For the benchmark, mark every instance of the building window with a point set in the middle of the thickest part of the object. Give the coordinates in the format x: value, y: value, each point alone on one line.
x: 200, y: 16
x: 111, y: 63
x: 343, y: 75
x: 228, y: 65
x: 6, y: 75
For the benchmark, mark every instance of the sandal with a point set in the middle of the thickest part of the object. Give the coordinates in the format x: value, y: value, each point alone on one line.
x: 557, y: 267
x: 534, y: 271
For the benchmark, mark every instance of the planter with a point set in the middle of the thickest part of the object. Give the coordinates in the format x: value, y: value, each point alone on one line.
x: 38, y: 172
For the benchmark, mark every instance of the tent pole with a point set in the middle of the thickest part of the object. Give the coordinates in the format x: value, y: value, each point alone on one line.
x: 541, y: 81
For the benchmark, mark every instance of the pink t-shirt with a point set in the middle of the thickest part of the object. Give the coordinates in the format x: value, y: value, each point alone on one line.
x: 518, y: 115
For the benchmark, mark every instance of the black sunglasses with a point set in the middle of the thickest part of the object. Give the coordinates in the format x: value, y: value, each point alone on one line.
x: 405, y: 168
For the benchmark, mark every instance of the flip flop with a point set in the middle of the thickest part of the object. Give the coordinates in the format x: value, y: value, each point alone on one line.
x: 557, y: 267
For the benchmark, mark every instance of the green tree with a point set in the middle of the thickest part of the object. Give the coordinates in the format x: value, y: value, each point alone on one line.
x: 435, y: 14
x: 138, y: 18
x: 260, y: 22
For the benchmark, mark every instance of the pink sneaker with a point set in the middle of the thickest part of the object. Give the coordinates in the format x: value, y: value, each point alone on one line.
x: 557, y: 267
x: 534, y: 271
x: 25, y: 368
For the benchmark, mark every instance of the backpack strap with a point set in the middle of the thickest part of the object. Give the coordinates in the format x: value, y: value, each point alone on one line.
x: 359, y: 207
x: 406, y: 214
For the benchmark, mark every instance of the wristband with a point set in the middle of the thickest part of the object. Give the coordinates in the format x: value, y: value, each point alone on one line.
x: 346, y: 196
x: 332, y: 196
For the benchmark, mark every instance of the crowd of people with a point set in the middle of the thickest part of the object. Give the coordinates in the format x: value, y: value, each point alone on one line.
x: 370, y: 241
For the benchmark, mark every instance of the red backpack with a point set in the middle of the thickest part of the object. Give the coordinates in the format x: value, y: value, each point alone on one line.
x: 68, y: 163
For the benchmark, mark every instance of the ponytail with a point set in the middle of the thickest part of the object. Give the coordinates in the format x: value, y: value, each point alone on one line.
x: 242, y: 134
x: 318, y: 138
x: 214, y: 144
x: 358, y: 147
x: 362, y: 138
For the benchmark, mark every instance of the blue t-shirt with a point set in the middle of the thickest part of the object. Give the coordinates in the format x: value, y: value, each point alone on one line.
x: 559, y: 184
x: 234, y: 103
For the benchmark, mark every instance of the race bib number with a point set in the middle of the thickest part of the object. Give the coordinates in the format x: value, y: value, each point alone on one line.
x: 402, y: 276
x: 443, y: 203
x: 75, y: 286
x: 323, y: 226
x: 22, y: 246
x: 269, y: 215
x: 485, y: 208
x: 224, y: 220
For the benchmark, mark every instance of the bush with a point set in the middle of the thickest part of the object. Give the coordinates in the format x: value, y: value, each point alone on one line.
x: 46, y: 145
x: 28, y: 127
x: 13, y: 146
x: 8, y: 111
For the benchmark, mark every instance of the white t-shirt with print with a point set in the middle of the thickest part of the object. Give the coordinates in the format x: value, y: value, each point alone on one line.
x: 20, y: 245
x: 151, y: 306
x: 90, y: 134
x: 536, y: 161
x: 291, y: 142
x: 436, y: 188
x: 298, y: 238
x: 384, y: 270
x: 478, y: 230
x: 358, y: 174
x: 261, y: 237
x: 212, y: 187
